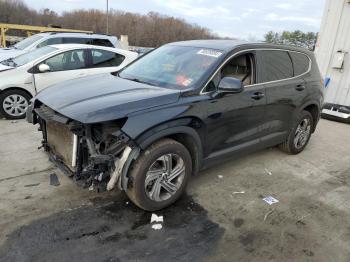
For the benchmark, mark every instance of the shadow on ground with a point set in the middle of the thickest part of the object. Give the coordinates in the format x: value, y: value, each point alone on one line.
x: 116, y: 231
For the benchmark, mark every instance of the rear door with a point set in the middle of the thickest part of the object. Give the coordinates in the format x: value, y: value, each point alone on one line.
x: 64, y: 66
x: 285, y: 92
x: 104, y: 61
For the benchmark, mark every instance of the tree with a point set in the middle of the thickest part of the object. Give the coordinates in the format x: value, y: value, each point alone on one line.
x: 296, y: 38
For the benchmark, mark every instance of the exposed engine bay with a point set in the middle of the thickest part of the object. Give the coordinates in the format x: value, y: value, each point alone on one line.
x: 96, y: 156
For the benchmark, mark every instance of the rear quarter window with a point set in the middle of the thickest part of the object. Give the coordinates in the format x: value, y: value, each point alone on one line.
x: 102, y: 42
x: 301, y: 63
x: 274, y: 65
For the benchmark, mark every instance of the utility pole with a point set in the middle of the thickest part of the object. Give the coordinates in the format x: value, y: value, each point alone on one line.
x: 107, y: 11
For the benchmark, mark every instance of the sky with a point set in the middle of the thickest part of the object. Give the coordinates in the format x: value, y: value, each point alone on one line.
x: 249, y: 19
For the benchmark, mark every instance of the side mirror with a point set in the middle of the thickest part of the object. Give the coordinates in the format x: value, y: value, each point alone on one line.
x: 230, y: 85
x: 44, y: 68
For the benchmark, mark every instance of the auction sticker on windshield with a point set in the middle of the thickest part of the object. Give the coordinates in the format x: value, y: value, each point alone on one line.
x: 209, y: 52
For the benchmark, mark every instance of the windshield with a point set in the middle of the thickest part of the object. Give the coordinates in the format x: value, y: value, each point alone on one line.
x: 172, y: 66
x: 29, y: 57
x: 27, y: 42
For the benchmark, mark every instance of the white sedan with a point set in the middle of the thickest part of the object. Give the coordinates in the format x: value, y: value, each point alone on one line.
x: 23, y: 77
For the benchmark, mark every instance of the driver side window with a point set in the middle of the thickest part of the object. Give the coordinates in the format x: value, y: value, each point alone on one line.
x: 240, y: 67
x: 70, y: 60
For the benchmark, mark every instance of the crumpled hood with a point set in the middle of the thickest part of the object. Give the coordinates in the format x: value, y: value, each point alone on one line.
x: 6, y: 53
x: 104, y: 97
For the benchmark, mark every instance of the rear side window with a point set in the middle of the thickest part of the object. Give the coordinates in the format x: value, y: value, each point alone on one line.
x: 274, y: 65
x: 103, y: 58
x: 301, y: 63
x: 102, y: 42
x: 75, y: 40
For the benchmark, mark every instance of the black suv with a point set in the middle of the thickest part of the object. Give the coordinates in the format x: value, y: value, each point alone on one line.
x: 181, y: 107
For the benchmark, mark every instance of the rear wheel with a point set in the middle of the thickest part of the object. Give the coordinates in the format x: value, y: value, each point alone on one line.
x: 159, y: 176
x: 300, y: 135
x: 14, y: 104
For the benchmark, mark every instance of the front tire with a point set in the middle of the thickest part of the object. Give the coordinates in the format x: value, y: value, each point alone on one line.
x: 300, y: 135
x: 160, y: 175
x: 14, y: 104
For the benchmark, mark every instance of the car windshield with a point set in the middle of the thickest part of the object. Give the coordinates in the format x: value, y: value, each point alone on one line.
x: 31, y: 56
x: 27, y: 42
x: 172, y: 66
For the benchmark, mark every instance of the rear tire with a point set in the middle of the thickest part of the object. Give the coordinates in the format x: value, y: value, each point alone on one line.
x: 156, y: 184
x: 300, y: 135
x: 14, y: 104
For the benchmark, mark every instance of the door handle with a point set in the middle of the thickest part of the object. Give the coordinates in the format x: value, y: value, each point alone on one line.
x: 257, y: 95
x: 300, y: 87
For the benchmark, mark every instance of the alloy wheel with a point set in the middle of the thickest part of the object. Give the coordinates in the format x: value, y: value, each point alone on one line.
x: 302, y: 133
x: 164, y: 177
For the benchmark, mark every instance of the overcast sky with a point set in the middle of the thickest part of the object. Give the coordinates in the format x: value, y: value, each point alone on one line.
x: 234, y: 18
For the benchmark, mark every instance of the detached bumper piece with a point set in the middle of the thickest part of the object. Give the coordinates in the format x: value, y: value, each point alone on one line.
x: 336, y: 112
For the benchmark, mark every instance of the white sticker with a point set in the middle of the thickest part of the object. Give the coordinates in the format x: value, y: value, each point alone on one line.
x: 270, y: 200
x: 209, y: 52
x: 187, y: 82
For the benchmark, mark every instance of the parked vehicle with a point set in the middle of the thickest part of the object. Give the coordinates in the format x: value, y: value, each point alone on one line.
x: 23, y: 77
x: 53, y: 38
x: 176, y: 110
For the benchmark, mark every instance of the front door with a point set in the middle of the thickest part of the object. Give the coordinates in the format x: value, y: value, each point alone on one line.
x: 64, y: 66
x: 234, y: 120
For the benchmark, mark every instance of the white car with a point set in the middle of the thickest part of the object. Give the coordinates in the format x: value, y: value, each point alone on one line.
x: 23, y: 77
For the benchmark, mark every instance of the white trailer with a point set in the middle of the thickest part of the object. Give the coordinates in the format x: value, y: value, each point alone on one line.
x: 332, y: 54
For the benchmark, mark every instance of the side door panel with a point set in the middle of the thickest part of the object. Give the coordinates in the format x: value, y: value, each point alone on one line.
x: 64, y: 66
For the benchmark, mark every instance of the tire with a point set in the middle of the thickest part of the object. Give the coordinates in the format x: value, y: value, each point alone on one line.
x: 149, y: 164
x: 14, y: 104
x: 303, y: 127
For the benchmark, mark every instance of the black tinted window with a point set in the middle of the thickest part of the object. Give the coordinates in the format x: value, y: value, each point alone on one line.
x: 300, y: 62
x: 75, y: 40
x: 274, y: 65
x: 103, y: 58
x: 102, y: 42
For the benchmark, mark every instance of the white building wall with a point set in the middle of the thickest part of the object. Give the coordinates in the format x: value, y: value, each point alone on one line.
x: 334, y: 36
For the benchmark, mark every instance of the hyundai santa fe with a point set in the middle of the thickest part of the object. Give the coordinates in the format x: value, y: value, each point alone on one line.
x: 147, y: 128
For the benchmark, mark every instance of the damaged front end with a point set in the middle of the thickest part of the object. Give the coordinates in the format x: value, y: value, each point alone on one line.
x: 96, y: 155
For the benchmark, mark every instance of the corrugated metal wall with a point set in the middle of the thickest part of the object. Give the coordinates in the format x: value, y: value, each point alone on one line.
x: 334, y: 36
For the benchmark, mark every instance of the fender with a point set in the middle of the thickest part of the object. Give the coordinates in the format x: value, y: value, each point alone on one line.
x: 179, y: 126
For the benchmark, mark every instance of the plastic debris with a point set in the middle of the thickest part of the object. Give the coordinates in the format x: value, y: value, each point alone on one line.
x: 13, y: 122
x: 220, y: 177
x: 155, y: 218
x: 238, y: 192
x: 267, y: 214
x: 54, y: 180
x: 157, y: 226
x: 270, y: 200
x: 268, y: 172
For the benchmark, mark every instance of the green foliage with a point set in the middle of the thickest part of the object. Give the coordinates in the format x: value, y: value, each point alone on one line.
x: 296, y: 38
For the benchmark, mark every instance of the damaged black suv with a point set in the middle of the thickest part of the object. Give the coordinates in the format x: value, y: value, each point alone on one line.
x: 180, y: 108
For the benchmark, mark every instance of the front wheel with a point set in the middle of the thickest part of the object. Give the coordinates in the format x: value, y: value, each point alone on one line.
x: 300, y: 135
x: 159, y: 176
x: 14, y: 104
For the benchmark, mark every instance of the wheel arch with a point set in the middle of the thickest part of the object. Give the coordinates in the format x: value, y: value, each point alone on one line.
x: 181, y: 130
x: 17, y: 88
x: 315, y: 111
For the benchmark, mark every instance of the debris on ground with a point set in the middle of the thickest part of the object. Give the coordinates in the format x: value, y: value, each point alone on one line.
x: 220, y: 177
x: 268, y: 172
x: 155, y: 218
x: 30, y: 185
x: 54, y: 180
x: 157, y: 226
x: 267, y: 214
x: 13, y: 121
x: 159, y: 222
x: 238, y: 192
x: 270, y: 200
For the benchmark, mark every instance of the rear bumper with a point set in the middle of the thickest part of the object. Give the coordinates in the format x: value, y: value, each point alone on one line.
x: 336, y: 112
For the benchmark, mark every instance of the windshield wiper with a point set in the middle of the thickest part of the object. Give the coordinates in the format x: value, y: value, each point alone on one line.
x: 138, y: 81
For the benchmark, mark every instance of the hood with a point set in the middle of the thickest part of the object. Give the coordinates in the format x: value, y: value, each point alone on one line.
x: 6, y: 53
x: 4, y: 67
x: 104, y: 97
